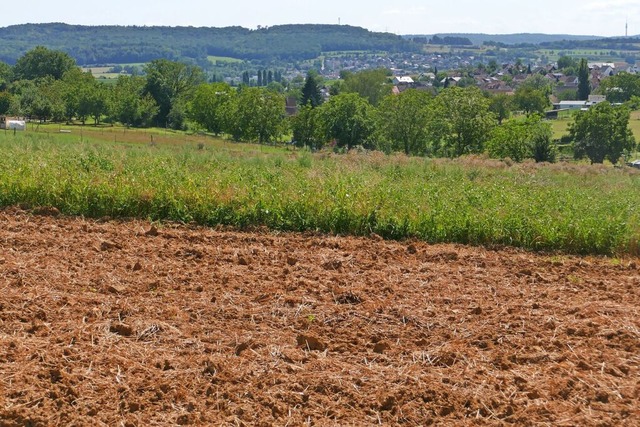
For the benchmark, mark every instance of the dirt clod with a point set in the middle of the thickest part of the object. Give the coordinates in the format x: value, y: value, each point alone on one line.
x: 292, y: 260
x: 46, y: 211
x: 106, y: 245
x: 152, y: 231
x: 310, y: 342
x: 348, y: 298
x: 381, y: 347
x: 476, y: 310
x: 121, y: 329
x: 334, y: 264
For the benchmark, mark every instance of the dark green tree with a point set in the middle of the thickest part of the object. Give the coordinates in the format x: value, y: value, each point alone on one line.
x: 171, y: 83
x: 500, y: 105
x: 54, y: 91
x: 99, y: 102
x: 307, y: 131
x: 530, y: 100
x: 537, y: 82
x: 348, y: 119
x: 208, y: 106
x: 525, y: 138
x: 403, y: 122
x: 584, y: 85
x: 373, y: 85
x: 33, y: 103
x: 75, y: 83
x: 259, y: 78
x: 461, y: 121
x: 566, y: 62
x: 42, y: 62
x: 129, y: 104
x: 602, y: 132
x: 6, y: 99
x: 311, y: 90
x: 256, y: 114
x: 621, y: 87
x: 6, y: 74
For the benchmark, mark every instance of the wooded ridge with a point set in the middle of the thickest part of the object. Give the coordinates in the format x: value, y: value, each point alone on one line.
x: 131, y: 44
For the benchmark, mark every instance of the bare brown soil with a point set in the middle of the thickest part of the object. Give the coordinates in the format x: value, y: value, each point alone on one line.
x: 121, y: 323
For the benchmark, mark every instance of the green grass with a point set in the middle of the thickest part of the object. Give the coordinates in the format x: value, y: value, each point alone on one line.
x: 560, y: 126
x: 634, y: 124
x: 566, y: 207
x: 600, y: 55
x: 224, y: 59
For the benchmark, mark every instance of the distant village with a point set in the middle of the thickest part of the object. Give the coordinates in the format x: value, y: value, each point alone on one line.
x: 436, y: 70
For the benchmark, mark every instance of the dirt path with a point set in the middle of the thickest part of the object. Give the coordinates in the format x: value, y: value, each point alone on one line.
x: 117, y: 323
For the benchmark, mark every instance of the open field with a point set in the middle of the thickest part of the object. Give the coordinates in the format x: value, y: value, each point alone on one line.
x: 560, y: 126
x: 102, y: 72
x: 118, y: 307
x: 223, y: 59
x: 121, y: 323
x: 208, y: 181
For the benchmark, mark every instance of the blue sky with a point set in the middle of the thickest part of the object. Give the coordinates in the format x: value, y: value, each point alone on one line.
x: 586, y: 17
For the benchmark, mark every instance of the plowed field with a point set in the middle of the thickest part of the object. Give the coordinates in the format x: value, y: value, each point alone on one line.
x: 122, y: 323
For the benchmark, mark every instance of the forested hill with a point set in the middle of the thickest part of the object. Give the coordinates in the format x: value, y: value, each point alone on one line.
x: 511, y: 39
x: 120, y: 44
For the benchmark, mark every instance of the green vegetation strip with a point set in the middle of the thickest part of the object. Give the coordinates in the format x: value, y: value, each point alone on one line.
x: 571, y: 208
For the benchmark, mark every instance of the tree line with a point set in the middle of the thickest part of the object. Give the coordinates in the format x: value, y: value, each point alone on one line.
x: 135, y: 44
x: 361, y: 111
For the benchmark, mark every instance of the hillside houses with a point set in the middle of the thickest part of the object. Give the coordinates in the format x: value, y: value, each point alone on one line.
x: 433, y: 70
x: 579, y: 105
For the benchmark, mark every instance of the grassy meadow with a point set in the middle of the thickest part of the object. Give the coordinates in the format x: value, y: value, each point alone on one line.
x: 223, y: 60
x: 560, y: 126
x: 567, y: 207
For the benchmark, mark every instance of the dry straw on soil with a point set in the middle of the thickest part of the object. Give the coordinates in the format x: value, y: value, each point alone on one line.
x: 176, y: 325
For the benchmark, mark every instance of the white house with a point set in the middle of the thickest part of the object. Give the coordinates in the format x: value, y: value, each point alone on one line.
x: 406, y: 80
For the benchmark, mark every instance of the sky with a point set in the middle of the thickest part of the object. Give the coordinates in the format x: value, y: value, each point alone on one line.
x: 577, y: 17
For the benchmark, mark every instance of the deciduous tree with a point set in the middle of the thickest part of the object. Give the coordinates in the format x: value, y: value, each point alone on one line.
x: 500, y: 105
x: 621, y: 87
x: 256, y: 114
x: 373, y: 85
x: 348, y: 118
x: 169, y: 83
x: 403, y: 121
x: 530, y: 100
x: 602, y: 132
x: 208, y: 105
x: 306, y: 127
x: 42, y: 62
x: 129, y: 104
x: 462, y: 121
x: 6, y: 73
x: 524, y: 138
x: 6, y: 99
